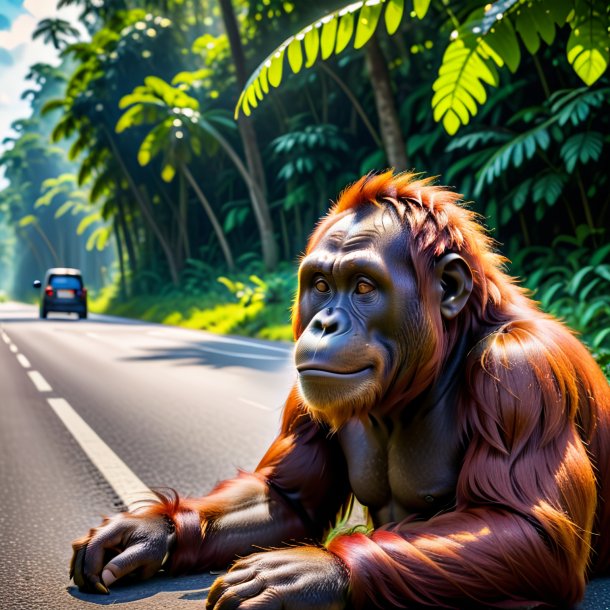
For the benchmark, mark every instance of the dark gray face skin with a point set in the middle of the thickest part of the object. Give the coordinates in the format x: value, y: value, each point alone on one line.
x: 359, y: 307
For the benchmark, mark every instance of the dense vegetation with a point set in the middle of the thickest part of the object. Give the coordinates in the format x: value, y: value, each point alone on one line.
x: 133, y: 167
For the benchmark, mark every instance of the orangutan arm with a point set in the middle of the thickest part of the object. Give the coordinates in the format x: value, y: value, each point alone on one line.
x: 294, y: 494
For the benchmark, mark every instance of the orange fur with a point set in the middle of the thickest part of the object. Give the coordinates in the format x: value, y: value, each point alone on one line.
x: 532, y: 516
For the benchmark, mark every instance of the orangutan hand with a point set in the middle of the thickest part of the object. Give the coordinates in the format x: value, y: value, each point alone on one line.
x: 300, y: 578
x: 125, y: 544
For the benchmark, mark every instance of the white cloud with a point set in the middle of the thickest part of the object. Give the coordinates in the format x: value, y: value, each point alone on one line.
x: 21, y: 31
x: 26, y: 52
x: 42, y: 9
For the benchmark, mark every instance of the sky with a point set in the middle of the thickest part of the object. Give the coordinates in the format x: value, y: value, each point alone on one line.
x: 18, y: 20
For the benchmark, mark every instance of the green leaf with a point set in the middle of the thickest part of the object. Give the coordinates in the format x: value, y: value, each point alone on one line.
x: 574, y: 285
x: 526, y: 26
x: 345, y: 31
x: 27, y: 220
x: 503, y: 40
x: 130, y: 118
x: 87, y: 221
x: 458, y: 86
x: 543, y: 21
x: 548, y: 188
x: 588, y: 43
x: 367, y: 24
x: 421, y: 7
x: 393, y: 14
x: 600, y: 336
x: 581, y: 147
x: 168, y: 172
x: 64, y: 209
x: 521, y: 147
x: 329, y: 36
x: 275, y: 69
x: 312, y: 45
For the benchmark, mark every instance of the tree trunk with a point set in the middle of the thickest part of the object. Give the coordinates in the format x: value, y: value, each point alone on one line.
x: 389, y: 126
x: 224, y: 244
x: 248, y: 137
x: 127, y: 238
x: 148, y: 215
x: 119, y: 247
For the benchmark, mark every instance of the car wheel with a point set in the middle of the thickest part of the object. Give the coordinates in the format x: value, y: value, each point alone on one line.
x: 82, y: 314
x: 43, y: 313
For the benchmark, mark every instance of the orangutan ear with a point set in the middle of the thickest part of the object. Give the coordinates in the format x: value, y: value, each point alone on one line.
x: 455, y: 279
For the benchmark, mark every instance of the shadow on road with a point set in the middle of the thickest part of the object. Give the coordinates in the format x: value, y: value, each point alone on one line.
x: 218, y: 355
x: 193, y: 588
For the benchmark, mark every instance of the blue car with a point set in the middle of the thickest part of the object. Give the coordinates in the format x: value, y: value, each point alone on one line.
x: 63, y: 291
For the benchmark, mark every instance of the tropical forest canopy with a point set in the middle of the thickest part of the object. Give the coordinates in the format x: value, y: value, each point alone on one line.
x: 184, y: 141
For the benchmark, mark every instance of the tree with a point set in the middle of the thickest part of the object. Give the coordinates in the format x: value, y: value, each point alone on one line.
x: 485, y: 40
x: 248, y: 136
x: 179, y: 129
x: 55, y: 31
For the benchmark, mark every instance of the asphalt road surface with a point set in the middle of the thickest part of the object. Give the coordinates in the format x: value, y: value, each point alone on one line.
x: 95, y: 412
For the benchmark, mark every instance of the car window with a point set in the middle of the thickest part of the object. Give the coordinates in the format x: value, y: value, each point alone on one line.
x: 71, y: 282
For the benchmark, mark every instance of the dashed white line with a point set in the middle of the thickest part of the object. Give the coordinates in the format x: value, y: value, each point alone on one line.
x: 23, y: 361
x: 128, y: 487
x: 39, y: 381
x: 120, y: 477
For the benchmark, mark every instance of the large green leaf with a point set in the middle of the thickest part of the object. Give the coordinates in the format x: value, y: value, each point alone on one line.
x: 588, y: 43
x: 486, y: 40
x: 459, y: 85
x: 356, y: 22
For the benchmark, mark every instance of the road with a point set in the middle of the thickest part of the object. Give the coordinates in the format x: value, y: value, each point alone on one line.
x: 94, y: 413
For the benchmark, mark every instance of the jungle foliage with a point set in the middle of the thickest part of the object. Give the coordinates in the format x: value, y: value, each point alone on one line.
x: 132, y: 149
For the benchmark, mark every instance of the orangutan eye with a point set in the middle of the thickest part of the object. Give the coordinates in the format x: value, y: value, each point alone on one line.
x: 364, y: 287
x: 321, y: 285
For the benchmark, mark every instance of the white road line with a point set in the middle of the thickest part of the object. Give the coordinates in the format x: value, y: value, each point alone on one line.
x: 23, y: 361
x: 258, y: 405
x: 5, y: 338
x: 39, y: 381
x: 13, y: 348
x: 120, y: 477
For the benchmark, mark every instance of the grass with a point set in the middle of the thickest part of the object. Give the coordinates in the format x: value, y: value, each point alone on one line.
x: 216, y: 311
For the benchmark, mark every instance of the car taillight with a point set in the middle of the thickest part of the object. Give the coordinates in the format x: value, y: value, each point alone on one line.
x: 48, y: 291
x: 82, y: 292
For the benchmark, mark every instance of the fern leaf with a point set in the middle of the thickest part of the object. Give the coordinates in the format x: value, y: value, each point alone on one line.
x: 581, y: 147
x: 513, y: 153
